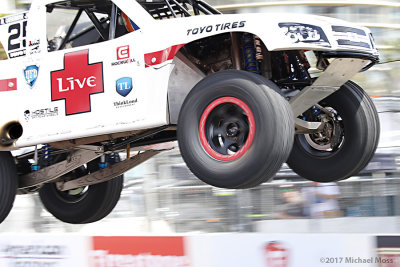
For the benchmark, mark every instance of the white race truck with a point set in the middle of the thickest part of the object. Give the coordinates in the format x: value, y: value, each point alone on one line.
x: 242, y: 94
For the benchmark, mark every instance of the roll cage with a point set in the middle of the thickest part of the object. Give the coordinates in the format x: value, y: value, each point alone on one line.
x: 106, y: 27
x: 161, y: 9
x: 90, y: 8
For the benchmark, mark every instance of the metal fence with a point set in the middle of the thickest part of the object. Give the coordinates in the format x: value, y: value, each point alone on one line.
x: 173, y: 194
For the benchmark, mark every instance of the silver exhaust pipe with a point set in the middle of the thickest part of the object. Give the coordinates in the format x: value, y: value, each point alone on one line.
x: 10, y: 133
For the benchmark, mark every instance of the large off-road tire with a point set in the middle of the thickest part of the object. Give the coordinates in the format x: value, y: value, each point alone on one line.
x: 359, y: 130
x: 8, y: 183
x: 235, y: 130
x: 83, y: 205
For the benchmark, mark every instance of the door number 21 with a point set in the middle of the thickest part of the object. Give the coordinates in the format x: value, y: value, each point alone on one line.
x: 14, y: 40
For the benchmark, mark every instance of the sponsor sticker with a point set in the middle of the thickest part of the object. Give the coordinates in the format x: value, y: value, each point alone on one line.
x: 123, y: 52
x: 34, y: 43
x: 8, y: 85
x: 40, y: 113
x: 14, y: 18
x: 139, y: 251
x: 124, y: 86
x: 76, y: 87
x: 125, y: 103
x: 43, y: 250
x: 276, y: 254
x: 216, y: 28
x: 123, y: 56
x: 17, y: 39
x: 34, y: 47
x: 31, y: 74
x: 159, y: 57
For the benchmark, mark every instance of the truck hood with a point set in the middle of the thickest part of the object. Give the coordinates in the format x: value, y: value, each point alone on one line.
x: 277, y: 31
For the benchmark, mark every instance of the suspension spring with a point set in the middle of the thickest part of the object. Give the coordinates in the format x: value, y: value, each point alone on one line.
x: 46, y: 156
x: 258, y: 46
x: 249, y: 53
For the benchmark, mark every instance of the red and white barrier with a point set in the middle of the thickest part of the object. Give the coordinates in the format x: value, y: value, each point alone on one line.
x: 208, y: 250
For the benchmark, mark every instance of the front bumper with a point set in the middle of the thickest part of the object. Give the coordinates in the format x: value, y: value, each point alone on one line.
x: 344, y: 54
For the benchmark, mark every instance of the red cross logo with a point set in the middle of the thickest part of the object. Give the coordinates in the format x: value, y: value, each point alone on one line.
x: 76, y: 82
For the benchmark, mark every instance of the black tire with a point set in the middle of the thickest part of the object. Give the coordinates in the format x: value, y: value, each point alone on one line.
x: 360, y: 123
x: 8, y: 183
x: 92, y: 204
x: 264, y: 129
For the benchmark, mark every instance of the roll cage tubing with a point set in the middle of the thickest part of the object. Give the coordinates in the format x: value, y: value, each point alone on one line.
x: 160, y: 9
x: 157, y: 9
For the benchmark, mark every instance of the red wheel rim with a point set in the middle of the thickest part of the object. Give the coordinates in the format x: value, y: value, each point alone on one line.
x: 249, y: 132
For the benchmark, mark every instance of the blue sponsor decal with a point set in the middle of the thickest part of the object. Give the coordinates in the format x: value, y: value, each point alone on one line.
x: 124, y: 86
x: 31, y: 73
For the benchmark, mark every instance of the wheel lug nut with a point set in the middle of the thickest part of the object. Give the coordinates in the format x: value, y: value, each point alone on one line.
x: 232, y: 130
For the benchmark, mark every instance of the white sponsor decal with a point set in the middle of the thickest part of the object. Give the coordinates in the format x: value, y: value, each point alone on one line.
x: 91, y: 82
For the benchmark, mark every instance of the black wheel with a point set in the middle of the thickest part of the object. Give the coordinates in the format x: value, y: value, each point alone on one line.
x: 82, y: 205
x: 235, y: 130
x: 348, y: 141
x: 8, y: 183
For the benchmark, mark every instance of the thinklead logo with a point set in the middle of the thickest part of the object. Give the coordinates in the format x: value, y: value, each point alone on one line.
x: 125, y: 103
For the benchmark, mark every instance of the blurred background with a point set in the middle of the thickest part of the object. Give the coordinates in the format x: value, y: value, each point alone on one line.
x: 163, y: 196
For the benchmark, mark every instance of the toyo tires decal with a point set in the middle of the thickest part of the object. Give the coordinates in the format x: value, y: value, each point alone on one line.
x: 202, y: 128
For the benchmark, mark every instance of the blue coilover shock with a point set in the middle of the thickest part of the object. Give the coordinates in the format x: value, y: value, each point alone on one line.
x: 46, y: 156
x: 103, y: 162
x: 249, y: 53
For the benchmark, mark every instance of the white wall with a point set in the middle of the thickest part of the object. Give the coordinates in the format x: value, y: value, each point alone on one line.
x: 334, y: 225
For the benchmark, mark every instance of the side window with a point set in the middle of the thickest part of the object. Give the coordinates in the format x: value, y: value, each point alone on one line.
x: 67, y: 28
x: 76, y: 23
